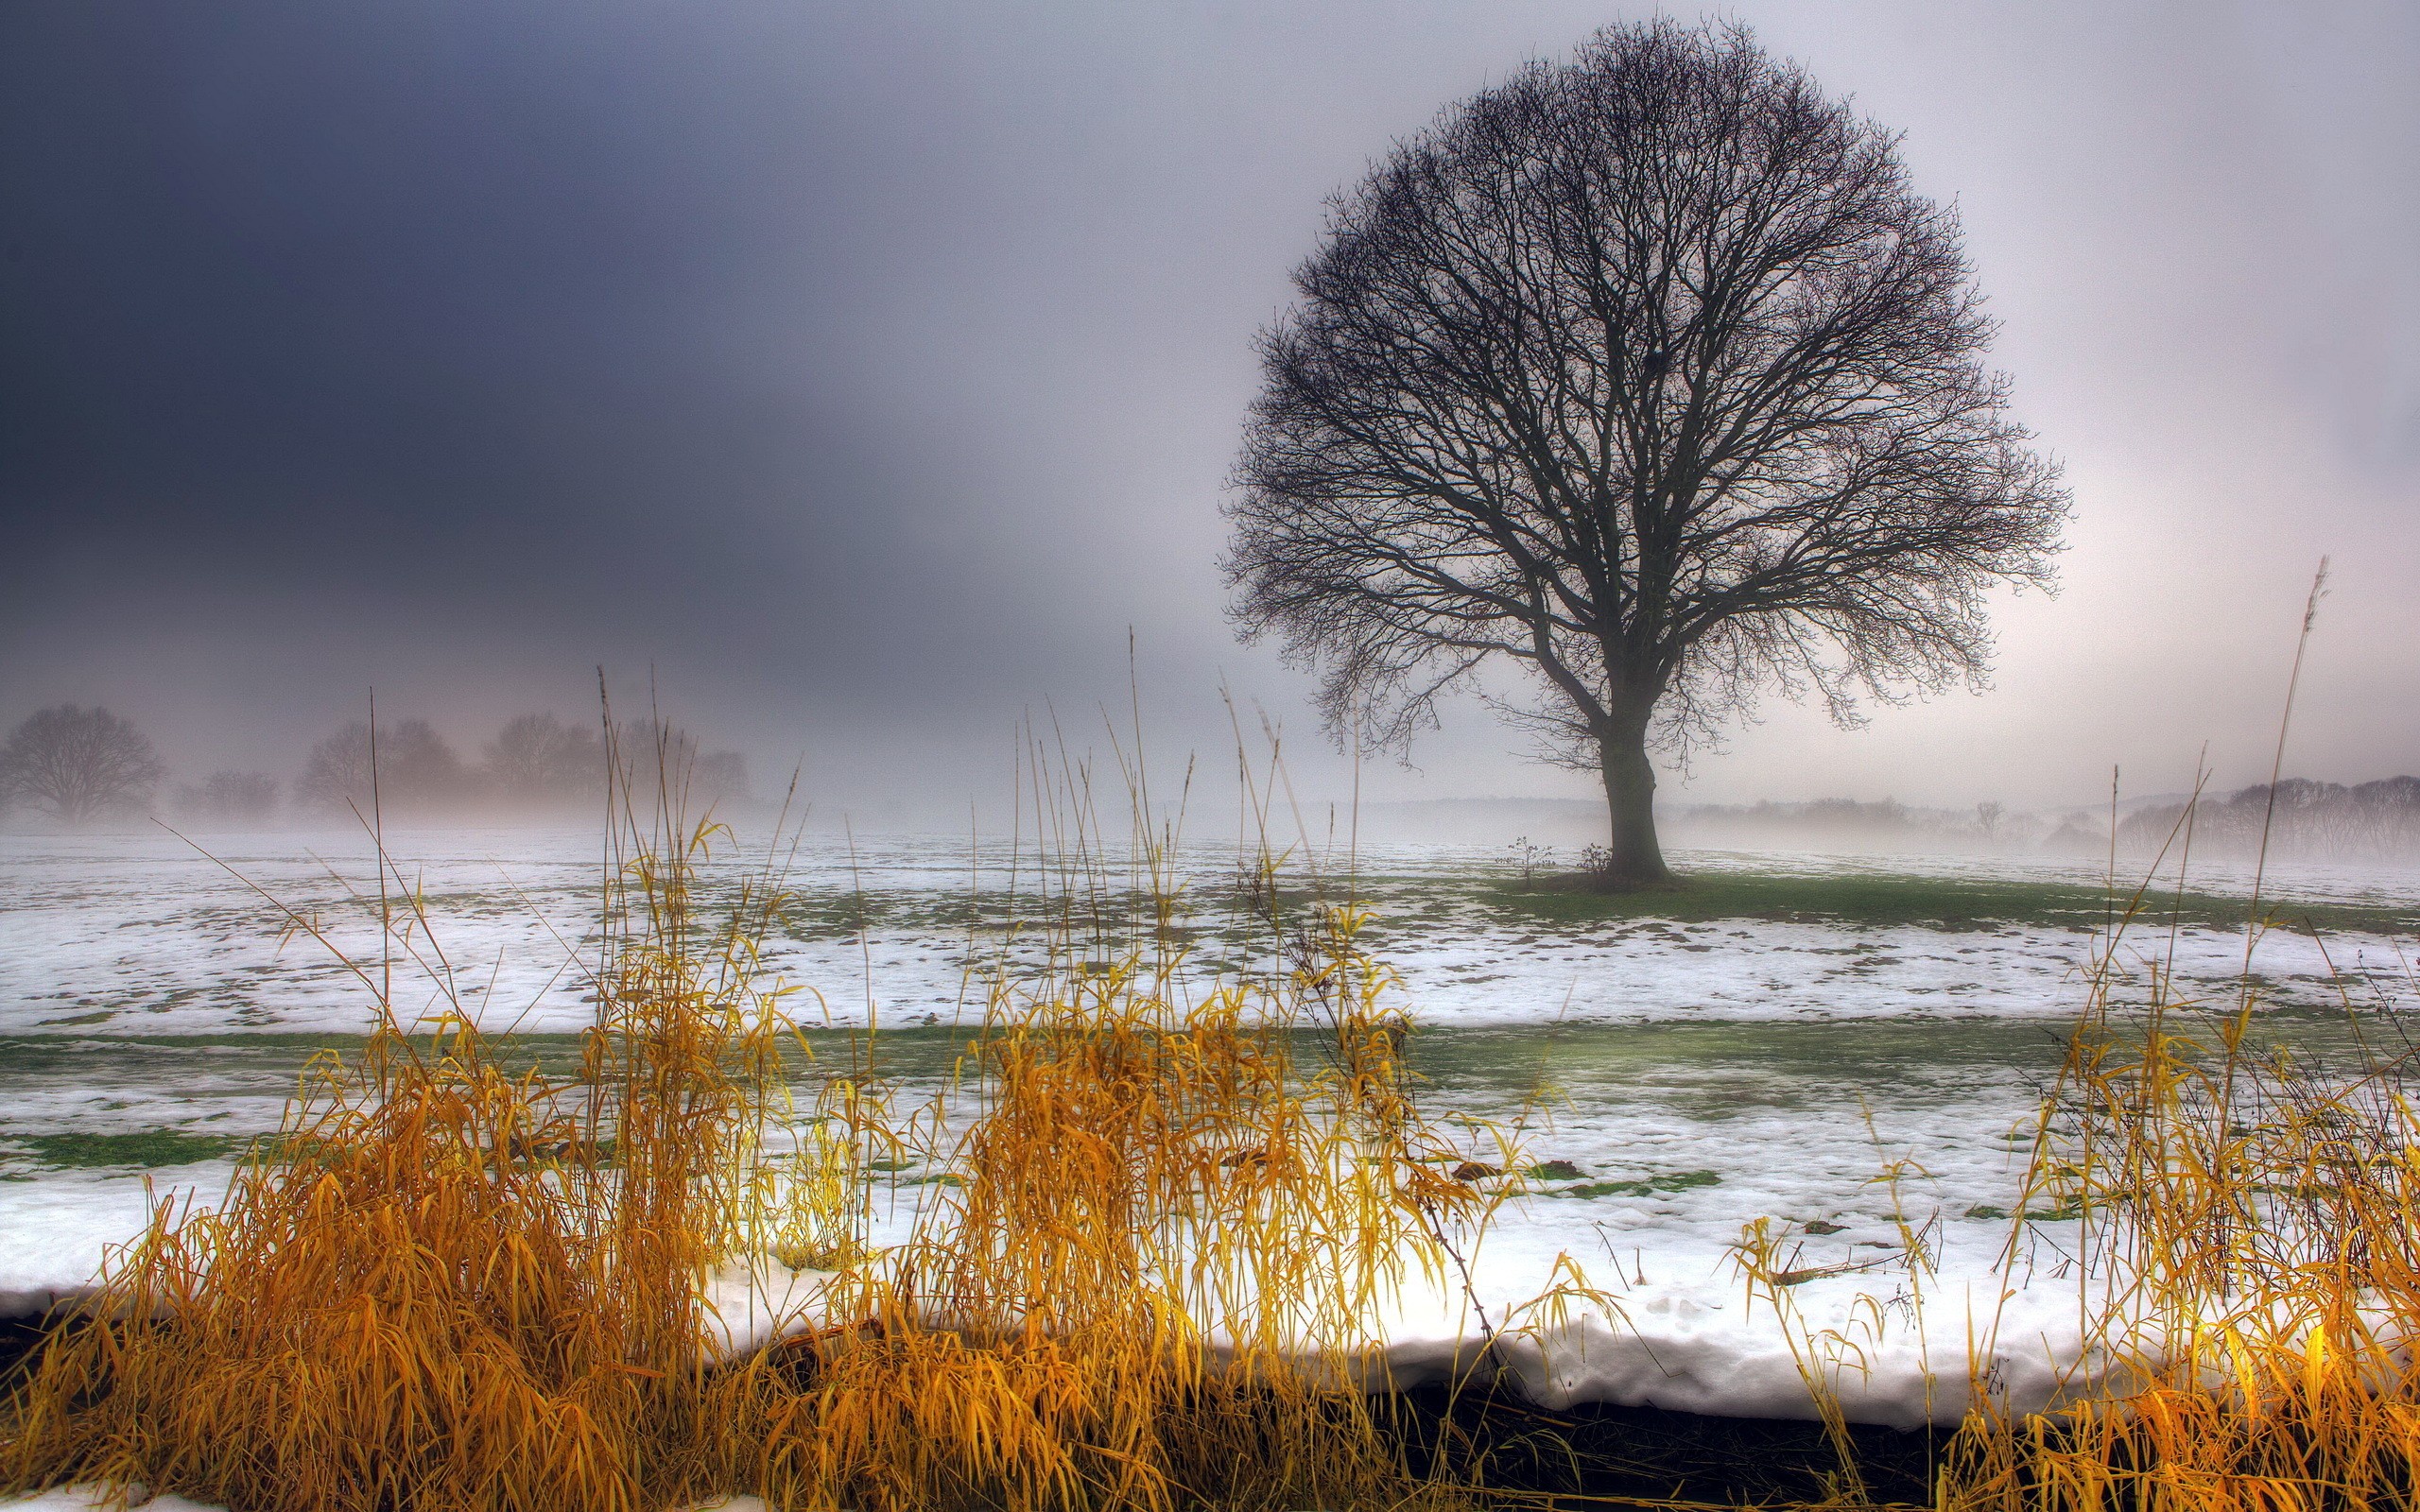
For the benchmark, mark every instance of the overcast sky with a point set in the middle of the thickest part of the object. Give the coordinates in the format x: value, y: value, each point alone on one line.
x: 868, y: 370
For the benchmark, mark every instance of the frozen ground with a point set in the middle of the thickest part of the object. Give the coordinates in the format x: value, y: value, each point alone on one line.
x: 144, y: 935
x: 94, y: 1498
x: 1736, y: 1055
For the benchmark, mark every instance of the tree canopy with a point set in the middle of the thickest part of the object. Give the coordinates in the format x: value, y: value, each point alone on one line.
x: 80, y: 763
x: 1649, y: 373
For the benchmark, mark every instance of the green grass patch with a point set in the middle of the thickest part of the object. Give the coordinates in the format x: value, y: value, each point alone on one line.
x: 1678, y: 1182
x: 148, y: 1150
x: 2064, y: 1212
x: 1940, y: 903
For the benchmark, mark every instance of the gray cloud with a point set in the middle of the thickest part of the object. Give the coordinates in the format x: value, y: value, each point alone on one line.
x: 869, y: 369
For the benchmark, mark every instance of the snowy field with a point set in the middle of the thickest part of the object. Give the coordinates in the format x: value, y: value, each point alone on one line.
x: 143, y: 934
x: 1742, y: 1052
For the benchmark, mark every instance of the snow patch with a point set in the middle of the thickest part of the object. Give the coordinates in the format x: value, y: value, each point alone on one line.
x: 97, y: 1499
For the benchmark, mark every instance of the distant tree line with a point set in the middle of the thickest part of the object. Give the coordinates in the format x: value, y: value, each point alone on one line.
x: 1832, y: 823
x: 80, y: 766
x: 2307, y: 821
x: 2303, y: 821
x: 537, y: 760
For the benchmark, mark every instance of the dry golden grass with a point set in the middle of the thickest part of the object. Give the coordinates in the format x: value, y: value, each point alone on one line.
x: 443, y: 1285
x: 1156, y: 1279
x: 2250, y: 1235
x: 2249, y: 1254
x: 399, y: 1316
x: 448, y: 1287
x: 1178, y: 1214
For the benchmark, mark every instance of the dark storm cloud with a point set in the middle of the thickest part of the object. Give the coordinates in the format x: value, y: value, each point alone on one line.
x: 870, y: 369
x: 450, y: 307
x: 882, y: 363
x: 789, y: 338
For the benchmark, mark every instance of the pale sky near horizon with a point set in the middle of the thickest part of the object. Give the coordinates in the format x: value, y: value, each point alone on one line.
x: 869, y: 370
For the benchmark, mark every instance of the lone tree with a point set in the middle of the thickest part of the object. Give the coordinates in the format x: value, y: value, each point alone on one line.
x: 80, y: 763
x: 1649, y: 373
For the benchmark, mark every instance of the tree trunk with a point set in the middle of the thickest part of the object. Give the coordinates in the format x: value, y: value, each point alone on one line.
x: 1634, y: 855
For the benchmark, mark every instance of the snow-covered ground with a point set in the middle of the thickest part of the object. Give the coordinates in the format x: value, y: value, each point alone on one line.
x: 95, y: 1498
x: 143, y: 934
x: 156, y: 1004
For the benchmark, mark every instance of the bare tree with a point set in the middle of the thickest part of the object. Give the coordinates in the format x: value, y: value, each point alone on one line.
x: 80, y: 763
x: 231, y: 797
x: 417, y: 771
x: 538, y: 758
x: 336, y: 778
x: 1649, y: 373
x: 721, y: 777
x: 657, y: 761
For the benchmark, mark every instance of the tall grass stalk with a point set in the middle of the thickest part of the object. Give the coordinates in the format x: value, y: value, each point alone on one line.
x: 2249, y: 1248
x: 1150, y: 1279
x: 2251, y: 1251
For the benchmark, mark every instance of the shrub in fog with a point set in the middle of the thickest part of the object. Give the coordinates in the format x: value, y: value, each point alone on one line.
x: 418, y: 770
x: 2077, y: 837
x: 720, y: 777
x: 78, y: 765
x: 647, y: 746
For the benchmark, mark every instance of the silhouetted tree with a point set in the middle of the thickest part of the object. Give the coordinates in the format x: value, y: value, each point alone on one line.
x: 80, y: 763
x: 720, y: 777
x: 1651, y: 374
x: 231, y: 796
x: 417, y: 771
x: 537, y: 757
x: 655, y: 754
x: 335, y: 777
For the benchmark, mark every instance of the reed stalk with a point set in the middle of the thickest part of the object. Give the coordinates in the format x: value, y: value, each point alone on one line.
x: 1151, y: 1279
